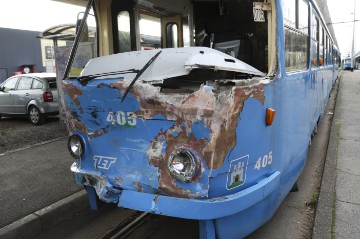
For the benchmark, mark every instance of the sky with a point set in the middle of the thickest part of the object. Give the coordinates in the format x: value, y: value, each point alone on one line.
x: 343, y: 11
x: 38, y: 15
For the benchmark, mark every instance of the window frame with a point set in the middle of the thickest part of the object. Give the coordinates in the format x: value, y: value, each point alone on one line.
x: 298, y: 31
x: 7, y: 81
x: 23, y: 78
x: 36, y: 80
x: 124, y: 6
x: 316, y: 38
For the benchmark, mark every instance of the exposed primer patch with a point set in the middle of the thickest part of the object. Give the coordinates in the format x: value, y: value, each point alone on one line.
x: 73, y: 92
x: 167, y: 183
x: 72, y: 118
x: 74, y: 124
x: 138, y: 187
x: 219, y: 109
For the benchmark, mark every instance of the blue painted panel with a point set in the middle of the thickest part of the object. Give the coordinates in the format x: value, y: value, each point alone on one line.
x: 255, y: 176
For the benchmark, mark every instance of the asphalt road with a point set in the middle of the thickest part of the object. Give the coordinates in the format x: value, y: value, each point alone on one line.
x: 33, y: 173
x: 38, y: 174
x: 18, y: 133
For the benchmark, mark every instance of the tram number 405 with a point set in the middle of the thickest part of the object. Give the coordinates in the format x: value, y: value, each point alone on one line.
x: 122, y: 118
x: 264, y: 161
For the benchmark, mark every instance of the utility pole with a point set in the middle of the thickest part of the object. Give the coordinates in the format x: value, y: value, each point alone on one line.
x: 352, y: 47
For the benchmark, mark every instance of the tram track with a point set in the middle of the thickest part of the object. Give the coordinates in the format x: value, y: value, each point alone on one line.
x: 128, y: 226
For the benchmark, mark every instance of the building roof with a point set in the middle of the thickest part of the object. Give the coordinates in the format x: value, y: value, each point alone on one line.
x: 63, y: 32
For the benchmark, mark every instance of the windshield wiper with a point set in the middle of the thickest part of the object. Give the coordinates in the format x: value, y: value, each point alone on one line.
x: 139, y: 74
x: 85, y: 79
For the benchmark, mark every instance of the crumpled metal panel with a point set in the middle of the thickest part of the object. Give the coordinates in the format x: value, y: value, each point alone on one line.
x: 157, y: 123
x: 171, y: 62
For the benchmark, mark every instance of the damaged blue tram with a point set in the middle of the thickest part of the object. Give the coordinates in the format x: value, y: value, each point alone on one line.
x: 196, y: 109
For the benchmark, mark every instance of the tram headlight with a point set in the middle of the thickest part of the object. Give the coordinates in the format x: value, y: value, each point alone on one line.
x: 182, y: 165
x: 75, y: 146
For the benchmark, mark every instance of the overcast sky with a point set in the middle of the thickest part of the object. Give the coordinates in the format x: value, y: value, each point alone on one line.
x: 343, y: 11
x: 38, y: 15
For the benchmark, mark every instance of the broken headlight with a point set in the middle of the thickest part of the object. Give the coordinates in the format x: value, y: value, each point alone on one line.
x: 75, y: 146
x: 182, y: 165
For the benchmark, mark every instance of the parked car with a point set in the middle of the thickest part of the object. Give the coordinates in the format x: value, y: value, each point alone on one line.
x: 32, y: 95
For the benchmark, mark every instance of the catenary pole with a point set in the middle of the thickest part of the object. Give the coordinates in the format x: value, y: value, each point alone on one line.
x: 352, y: 47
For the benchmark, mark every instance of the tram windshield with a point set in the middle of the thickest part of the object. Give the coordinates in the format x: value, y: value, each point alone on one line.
x: 230, y: 27
x: 347, y: 60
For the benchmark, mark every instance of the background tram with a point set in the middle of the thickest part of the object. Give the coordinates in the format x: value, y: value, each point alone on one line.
x: 346, y: 63
x: 208, y: 117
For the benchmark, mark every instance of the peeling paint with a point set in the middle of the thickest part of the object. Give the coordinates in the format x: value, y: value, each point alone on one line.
x: 204, y: 115
x: 218, y: 109
x: 73, y: 92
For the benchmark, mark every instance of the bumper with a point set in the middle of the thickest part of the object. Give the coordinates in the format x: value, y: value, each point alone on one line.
x: 51, y: 108
x: 204, y: 209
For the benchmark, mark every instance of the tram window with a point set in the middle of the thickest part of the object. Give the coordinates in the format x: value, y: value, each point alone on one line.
x: 329, y: 51
x: 186, y: 32
x: 332, y: 54
x: 321, y: 46
x: 87, y: 48
x: 290, y: 13
x: 303, y: 16
x: 326, y: 50
x: 150, y: 32
x: 124, y: 38
x: 314, y: 40
x: 296, y: 39
x: 315, y: 27
x: 172, y: 36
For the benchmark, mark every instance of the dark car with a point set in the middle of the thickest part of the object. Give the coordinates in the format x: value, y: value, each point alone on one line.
x: 29, y: 95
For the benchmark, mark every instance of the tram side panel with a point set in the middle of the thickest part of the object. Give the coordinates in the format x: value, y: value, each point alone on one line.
x: 206, y: 154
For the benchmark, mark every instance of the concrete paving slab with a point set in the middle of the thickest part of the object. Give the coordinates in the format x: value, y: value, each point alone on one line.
x: 350, y: 116
x: 347, y: 220
x: 347, y: 187
x: 350, y: 131
x: 348, y: 156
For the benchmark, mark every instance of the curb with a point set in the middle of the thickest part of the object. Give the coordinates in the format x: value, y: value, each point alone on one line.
x: 323, y: 223
x: 39, y: 221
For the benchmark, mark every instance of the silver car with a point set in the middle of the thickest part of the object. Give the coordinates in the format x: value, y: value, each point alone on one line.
x: 33, y: 95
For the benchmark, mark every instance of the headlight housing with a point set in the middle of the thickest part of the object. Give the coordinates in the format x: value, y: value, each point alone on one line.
x: 182, y: 165
x: 76, y: 146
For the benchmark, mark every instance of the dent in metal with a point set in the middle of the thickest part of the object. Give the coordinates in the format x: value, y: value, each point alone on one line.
x: 204, y: 114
